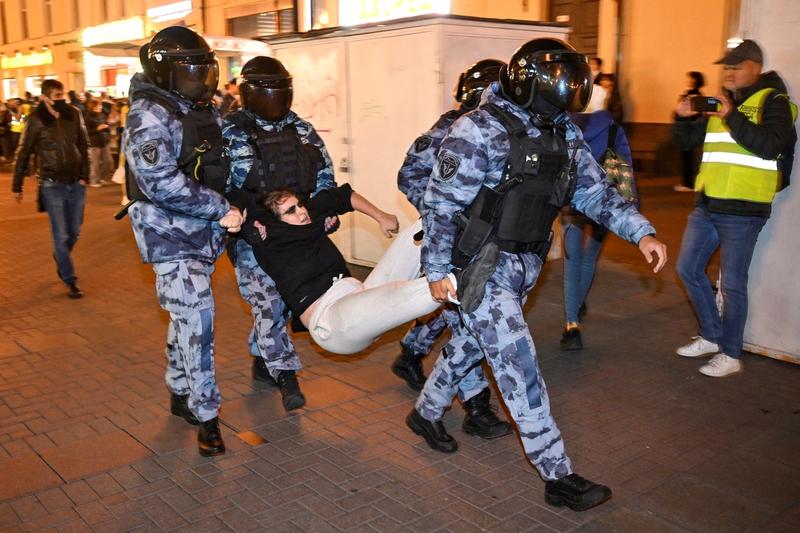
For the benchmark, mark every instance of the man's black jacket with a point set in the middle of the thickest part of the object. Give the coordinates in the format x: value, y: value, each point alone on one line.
x: 768, y: 140
x: 60, y: 146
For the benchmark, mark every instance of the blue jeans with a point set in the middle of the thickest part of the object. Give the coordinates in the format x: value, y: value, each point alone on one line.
x: 64, y: 204
x: 736, y: 237
x: 579, y: 264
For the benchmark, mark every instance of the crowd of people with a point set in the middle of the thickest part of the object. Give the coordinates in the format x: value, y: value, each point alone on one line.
x: 489, y: 179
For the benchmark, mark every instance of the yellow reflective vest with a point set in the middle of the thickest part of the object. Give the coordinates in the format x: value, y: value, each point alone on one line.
x: 730, y: 172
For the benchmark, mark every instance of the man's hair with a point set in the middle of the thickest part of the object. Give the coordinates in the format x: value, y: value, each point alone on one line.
x: 49, y: 86
x: 273, y: 199
x: 599, y: 61
x: 698, y: 80
x: 233, y: 82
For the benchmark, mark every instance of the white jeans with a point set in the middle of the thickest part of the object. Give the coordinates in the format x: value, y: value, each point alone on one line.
x: 351, y: 315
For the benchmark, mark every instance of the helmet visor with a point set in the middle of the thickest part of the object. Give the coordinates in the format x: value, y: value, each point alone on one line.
x: 565, y: 84
x: 271, y: 104
x: 195, y: 82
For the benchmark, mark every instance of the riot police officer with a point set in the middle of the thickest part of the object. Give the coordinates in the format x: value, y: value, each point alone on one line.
x: 270, y: 148
x: 178, y: 175
x: 503, y: 172
x: 412, y: 180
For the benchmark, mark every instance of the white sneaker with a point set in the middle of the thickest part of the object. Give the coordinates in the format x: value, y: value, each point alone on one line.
x: 721, y: 365
x: 698, y: 348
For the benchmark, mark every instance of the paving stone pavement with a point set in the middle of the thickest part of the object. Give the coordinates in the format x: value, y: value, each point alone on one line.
x: 87, y: 442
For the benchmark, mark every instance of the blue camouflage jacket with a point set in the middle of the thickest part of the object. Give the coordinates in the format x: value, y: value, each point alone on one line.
x: 476, y: 147
x: 414, y: 175
x: 181, y: 219
x: 241, y: 151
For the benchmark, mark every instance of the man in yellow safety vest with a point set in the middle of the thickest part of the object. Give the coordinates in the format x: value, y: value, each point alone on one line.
x: 747, y: 141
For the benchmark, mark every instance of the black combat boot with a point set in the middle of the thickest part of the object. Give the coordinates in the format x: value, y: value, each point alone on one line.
x: 209, y: 438
x: 290, y: 390
x: 480, y: 418
x: 260, y: 371
x: 408, y: 366
x: 571, y: 340
x: 433, y: 432
x: 575, y: 492
x: 179, y: 406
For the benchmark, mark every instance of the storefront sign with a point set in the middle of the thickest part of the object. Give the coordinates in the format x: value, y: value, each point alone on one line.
x: 355, y: 12
x: 173, y: 11
x: 45, y: 57
x: 121, y: 30
x: 236, y: 44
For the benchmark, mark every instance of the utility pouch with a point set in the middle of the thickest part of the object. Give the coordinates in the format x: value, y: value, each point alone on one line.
x: 564, y: 187
x: 475, y: 235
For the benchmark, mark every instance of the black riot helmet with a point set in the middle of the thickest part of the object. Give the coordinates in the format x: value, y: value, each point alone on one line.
x: 180, y: 61
x: 474, y: 80
x: 266, y: 88
x: 547, y: 76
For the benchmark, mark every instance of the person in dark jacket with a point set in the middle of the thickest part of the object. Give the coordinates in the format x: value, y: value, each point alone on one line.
x: 580, y: 254
x: 56, y: 134
x: 690, y: 159
x: 99, y: 150
x: 743, y: 143
x: 343, y: 315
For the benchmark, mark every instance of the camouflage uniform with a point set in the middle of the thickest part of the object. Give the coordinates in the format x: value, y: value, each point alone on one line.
x: 269, y: 337
x: 473, y: 154
x: 412, y: 180
x: 178, y: 232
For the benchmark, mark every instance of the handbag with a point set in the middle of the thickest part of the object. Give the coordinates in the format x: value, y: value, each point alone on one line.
x: 618, y: 170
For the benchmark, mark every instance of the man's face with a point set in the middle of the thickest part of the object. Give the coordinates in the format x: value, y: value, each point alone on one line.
x: 291, y: 211
x: 594, y: 65
x: 55, y: 94
x: 741, y: 76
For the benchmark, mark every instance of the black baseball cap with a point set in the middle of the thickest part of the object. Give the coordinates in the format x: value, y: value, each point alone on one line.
x: 748, y: 49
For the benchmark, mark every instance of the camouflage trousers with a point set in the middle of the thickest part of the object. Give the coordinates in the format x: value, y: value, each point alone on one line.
x: 497, y: 331
x: 269, y: 337
x: 421, y: 338
x: 184, y: 291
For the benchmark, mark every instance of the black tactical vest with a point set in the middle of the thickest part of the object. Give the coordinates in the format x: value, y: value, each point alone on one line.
x: 281, y: 160
x: 202, y: 155
x: 519, y: 212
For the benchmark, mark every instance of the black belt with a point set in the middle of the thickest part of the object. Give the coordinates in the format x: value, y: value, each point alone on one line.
x: 54, y: 180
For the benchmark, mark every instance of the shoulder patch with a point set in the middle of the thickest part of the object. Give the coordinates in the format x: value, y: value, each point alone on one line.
x: 422, y: 143
x: 448, y: 165
x: 150, y: 152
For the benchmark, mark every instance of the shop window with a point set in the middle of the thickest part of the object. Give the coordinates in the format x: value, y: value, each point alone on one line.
x: 10, y: 88
x: 263, y: 24
x: 321, y: 11
x: 33, y: 84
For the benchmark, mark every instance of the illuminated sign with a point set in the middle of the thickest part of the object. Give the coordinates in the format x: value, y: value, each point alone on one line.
x: 121, y: 30
x: 173, y: 11
x: 355, y: 12
x: 34, y: 59
x: 235, y: 44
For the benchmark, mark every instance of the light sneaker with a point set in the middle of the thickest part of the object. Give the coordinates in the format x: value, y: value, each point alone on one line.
x: 721, y: 365
x: 698, y: 348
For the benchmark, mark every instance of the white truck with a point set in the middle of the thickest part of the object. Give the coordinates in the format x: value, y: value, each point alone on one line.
x: 371, y: 90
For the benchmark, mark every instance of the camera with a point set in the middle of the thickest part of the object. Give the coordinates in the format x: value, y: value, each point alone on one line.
x: 705, y: 104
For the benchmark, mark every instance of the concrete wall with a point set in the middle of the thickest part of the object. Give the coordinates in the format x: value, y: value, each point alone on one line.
x: 661, y: 41
x: 774, y: 283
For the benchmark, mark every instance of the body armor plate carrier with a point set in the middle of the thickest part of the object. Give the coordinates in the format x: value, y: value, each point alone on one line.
x: 518, y: 214
x: 202, y: 154
x: 281, y: 160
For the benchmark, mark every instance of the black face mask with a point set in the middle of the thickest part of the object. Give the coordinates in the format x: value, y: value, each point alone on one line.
x: 61, y: 106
